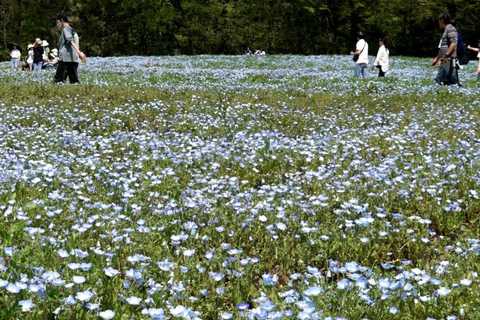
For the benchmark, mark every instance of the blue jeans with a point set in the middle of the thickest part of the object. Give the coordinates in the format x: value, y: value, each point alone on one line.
x: 360, y: 70
x: 37, y: 66
x: 447, y: 73
x: 15, y: 63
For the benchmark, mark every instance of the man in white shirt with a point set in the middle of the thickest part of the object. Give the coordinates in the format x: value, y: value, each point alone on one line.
x: 360, y: 56
x: 15, y: 55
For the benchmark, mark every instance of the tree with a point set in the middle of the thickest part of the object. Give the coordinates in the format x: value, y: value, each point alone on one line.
x: 5, y: 18
x: 153, y: 27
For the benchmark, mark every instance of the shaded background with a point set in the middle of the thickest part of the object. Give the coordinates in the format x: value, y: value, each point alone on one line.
x: 157, y: 27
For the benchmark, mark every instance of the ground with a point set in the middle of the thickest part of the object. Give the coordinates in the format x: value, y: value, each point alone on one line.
x: 215, y: 187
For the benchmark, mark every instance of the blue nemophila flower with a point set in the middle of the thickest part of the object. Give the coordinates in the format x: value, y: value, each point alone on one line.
x: 243, y: 306
x: 165, y: 265
x: 135, y: 275
x: 466, y: 282
x: 189, y: 252
x: 393, y: 310
x: 92, y: 306
x: 84, y: 296
x: 63, y: 253
x: 154, y: 313
x: 79, y: 279
x: 443, y: 291
x: 26, y: 305
x: 134, y: 301
x: 70, y: 300
x: 313, y: 291
x: 184, y: 313
x: 13, y: 288
x: 226, y: 316
x: 9, y: 251
x: 137, y: 258
x: 344, y: 284
x: 216, y: 276
x: 269, y: 279
x: 352, y: 267
x: 111, y: 272
x: 107, y: 314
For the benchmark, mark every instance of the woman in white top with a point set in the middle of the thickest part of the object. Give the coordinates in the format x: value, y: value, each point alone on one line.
x: 382, y: 62
x: 30, y: 57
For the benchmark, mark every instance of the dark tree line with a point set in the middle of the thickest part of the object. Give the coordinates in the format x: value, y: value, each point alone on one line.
x: 154, y: 27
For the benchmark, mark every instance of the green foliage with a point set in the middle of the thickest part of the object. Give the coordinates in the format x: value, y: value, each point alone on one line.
x: 153, y: 27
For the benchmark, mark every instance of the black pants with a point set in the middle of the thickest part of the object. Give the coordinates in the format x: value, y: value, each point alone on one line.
x: 67, y: 69
x: 381, y: 74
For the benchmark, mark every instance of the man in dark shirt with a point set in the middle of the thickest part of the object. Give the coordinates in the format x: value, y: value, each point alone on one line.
x: 447, y: 53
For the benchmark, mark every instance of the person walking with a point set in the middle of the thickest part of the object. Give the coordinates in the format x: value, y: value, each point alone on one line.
x: 477, y: 50
x: 382, y: 62
x: 37, y: 55
x: 15, y: 56
x: 69, y: 54
x: 360, y: 56
x: 446, y: 58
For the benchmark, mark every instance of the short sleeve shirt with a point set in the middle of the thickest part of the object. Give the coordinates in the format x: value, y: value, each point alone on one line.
x: 65, y: 49
x: 449, y: 36
x: 15, y: 54
x: 362, y: 46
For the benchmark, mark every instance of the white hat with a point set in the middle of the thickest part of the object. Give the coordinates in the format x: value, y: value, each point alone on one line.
x: 45, y: 43
x: 54, y: 50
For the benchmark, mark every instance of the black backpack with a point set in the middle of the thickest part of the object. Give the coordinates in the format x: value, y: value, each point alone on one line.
x: 462, y: 53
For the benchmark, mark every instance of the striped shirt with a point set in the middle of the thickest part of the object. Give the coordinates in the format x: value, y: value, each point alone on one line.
x: 449, y: 36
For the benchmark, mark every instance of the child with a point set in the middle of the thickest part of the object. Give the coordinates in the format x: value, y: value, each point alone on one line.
x: 15, y: 55
x: 478, y: 56
x: 46, y: 50
x: 30, y: 57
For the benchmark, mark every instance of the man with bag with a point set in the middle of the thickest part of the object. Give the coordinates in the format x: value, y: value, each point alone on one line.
x: 360, y: 56
x: 446, y: 59
x: 69, y: 54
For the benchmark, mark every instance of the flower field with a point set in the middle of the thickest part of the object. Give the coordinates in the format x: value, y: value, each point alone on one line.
x: 215, y: 187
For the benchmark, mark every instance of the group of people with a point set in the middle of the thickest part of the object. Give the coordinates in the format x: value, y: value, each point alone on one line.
x: 66, y: 58
x: 255, y: 53
x: 39, y: 56
x: 446, y: 60
x: 360, y: 57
